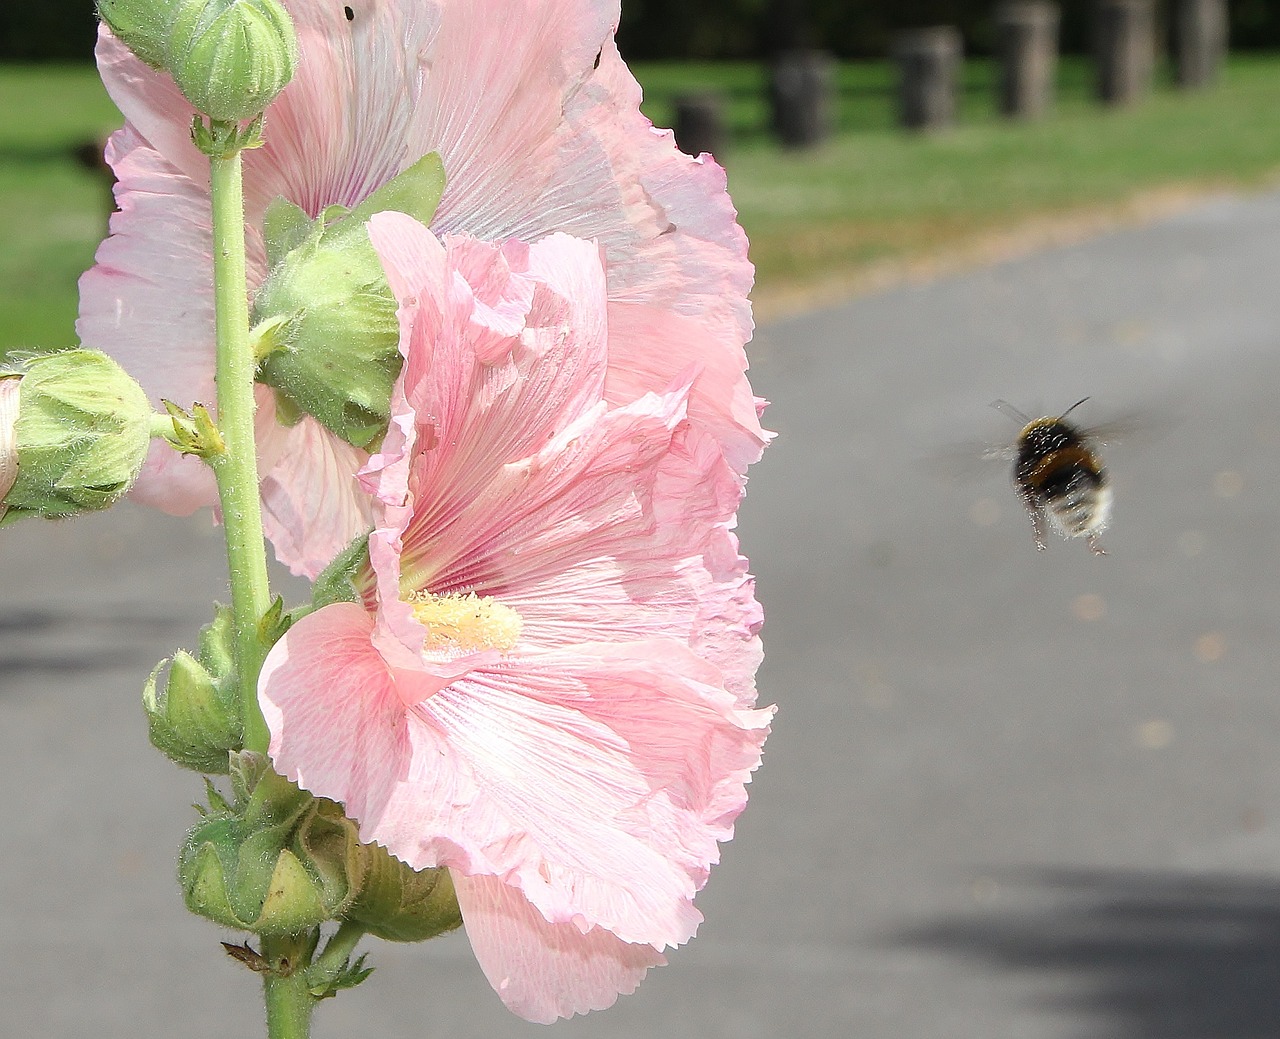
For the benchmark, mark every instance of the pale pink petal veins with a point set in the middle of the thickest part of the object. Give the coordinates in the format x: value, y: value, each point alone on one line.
x: 597, y: 780
x: 544, y: 971
x: 337, y: 723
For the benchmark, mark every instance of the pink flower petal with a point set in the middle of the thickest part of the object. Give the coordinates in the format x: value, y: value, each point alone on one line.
x: 8, y: 438
x: 597, y: 780
x: 544, y: 971
x: 312, y: 506
x: 329, y: 700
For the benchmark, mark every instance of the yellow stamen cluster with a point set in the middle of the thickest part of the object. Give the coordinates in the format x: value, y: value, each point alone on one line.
x: 466, y: 623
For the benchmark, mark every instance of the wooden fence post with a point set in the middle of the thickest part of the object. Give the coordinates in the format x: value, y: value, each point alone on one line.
x: 700, y: 124
x: 928, y: 63
x: 1199, y: 41
x: 1027, y: 31
x: 1124, y: 44
x: 801, y: 91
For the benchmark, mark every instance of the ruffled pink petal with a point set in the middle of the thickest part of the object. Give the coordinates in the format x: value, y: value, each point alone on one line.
x: 153, y: 107
x: 481, y: 412
x: 544, y: 971
x: 596, y: 780
x: 8, y: 438
x: 650, y: 346
x: 668, y: 570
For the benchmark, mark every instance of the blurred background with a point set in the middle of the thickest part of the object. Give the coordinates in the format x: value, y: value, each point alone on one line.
x: 1008, y: 793
x: 804, y: 102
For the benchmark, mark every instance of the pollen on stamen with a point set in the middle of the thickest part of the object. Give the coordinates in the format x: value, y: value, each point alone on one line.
x: 465, y: 622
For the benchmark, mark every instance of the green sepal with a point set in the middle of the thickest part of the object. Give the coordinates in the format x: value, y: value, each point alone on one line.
x: 401, y: 904
x: 274, y: 623
x: 416, y: 191
x: 337, y: 581
x: 195, y: 719
x: 141, y: 25
x: 193, y: 432
x: 285, y: 226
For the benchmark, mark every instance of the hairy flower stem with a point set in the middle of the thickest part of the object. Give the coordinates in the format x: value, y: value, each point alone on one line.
x: 288, y: 999
x: 237, y: 470
x: 339, y: 949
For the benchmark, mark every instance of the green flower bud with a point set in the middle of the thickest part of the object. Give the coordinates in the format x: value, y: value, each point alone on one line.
x: 326, y: 320
x: 402, y: 904
x: 291, y: 866
x: 230, y: 58
x: 196, y: 719
x: 141, y: 25
x: 81, y: 434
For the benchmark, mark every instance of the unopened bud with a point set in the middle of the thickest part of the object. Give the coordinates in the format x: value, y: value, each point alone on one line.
x: 231, y: 58
x: 141, y: 25
x: 325, y: 316
x: 195, y: 718
x: 273, y: 876
x: 81, y: 434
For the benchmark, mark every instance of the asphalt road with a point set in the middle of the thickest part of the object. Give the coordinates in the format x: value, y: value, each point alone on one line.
x: 1008, y: 794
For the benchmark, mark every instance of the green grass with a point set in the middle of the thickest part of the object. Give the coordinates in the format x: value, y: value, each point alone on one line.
x: 53, y: 211
x: 876, y: 193
x: 872, y: 193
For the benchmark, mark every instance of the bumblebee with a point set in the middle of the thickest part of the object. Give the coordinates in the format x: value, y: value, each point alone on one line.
x: 1059, y: 477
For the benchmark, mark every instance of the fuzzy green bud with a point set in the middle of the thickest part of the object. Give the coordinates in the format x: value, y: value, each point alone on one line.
x: 402, y: 904
x: 195, y: 719
x: 325, y: 318
x: 81, y: 434
x: 231, y: 58
x: 278, y: 871
x: 141, y: 25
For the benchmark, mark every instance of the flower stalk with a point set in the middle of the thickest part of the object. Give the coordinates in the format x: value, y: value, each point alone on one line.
x: 286, y: 990
x: 236, y: 470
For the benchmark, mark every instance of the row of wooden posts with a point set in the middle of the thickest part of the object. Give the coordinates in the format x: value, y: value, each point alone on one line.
x: 802, y: 84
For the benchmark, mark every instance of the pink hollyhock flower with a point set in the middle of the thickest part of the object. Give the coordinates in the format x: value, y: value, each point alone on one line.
x: 537, y: 121
x: 8, y: 438
x: 548, y: 685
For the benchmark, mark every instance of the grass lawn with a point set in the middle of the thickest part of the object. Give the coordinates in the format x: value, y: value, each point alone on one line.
x: 871, y: 194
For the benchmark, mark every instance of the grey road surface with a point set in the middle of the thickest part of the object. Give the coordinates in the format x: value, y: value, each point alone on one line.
x: 1009, y: 794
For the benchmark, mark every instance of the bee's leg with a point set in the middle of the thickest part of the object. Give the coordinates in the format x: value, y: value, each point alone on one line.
x: 1095, y: 546
x: 1036, y: 513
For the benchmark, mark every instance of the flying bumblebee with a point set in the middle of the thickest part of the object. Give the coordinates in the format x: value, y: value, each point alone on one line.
x: 1059, y: 476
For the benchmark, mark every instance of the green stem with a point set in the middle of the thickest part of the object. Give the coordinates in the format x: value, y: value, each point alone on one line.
x: 338, y: 949
x: 237, y: 470
x: 288, y: 999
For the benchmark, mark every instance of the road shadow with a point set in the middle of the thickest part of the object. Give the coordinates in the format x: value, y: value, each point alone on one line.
x: 48, y: 642
x: 1148, y: 955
